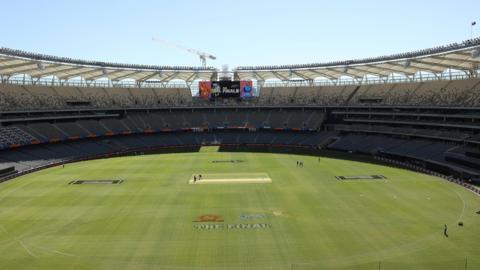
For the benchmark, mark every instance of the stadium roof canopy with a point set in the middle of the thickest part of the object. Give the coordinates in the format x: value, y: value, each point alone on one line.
x: 463, y: 56
x: 14, y: 62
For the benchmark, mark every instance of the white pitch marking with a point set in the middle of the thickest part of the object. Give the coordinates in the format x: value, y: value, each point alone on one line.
x: 464, y: 205
x: 54, y: 251
x: 26, y: 248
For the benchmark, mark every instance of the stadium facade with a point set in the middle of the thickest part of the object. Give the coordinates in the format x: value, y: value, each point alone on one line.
x: 418, y: 110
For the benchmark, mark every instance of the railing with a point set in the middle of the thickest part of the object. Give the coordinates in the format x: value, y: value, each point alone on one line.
x: 457, y: 75
x: 94, y: 84
x: 369, y: 81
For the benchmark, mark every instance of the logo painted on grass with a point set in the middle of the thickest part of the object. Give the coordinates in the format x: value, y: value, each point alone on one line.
x: 360, y: 177
x: 208, y: 218
x: 247, y: 226
x: 253, y: 216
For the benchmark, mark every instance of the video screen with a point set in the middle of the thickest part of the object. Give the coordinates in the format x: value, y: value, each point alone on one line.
x: 225, y: 89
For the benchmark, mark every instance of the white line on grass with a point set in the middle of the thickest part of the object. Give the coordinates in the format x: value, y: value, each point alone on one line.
x: 26, y: 248
x: 2, y: 228
x: 464, y: 204
x: 54, y: 251
x: 9, y: 238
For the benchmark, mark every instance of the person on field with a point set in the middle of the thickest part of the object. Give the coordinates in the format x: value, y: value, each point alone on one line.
x: 445, y: 231
x: 194, y: 178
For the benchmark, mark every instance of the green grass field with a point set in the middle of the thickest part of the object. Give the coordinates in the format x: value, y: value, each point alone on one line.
x: 314, y: 221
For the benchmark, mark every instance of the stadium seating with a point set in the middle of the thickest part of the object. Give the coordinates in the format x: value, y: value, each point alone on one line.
x: 14, y: 136
x: 434, y: 121
x: 434, y: 93
x: 17, y: 97
x: 41, y: 155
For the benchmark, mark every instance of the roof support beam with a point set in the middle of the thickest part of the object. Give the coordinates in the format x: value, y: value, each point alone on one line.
x: 345, y: 72
x: 213, y: 76
x: 104, y: 74
x: 6, y: 60
x: 94, y: 75
x: 192, y: 77
x: 451, y: 57
x: 37, y: 69
x: 257, y: 75
x: 460, y: 56
x: 80, y: 73
x: 335, y: 73
x: 399, y: 68
x: 392, y: 68
x: 149, y: 76
x: 426, y: 67
x: 322, y: 74
x: 369, y: 72
x: 465, y: 64
x: 19, y: 65
x: 244, y: 75
x: 301, y: 75
x: 461, y: 53
x: 424, y: 61
x: 280, y: 76
x: 63, y: 68
x: 119, y: 78
x: 169, y: 77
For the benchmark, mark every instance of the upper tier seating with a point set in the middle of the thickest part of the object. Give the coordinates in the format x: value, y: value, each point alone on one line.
x: 433, y: 93
x: 29, y: 97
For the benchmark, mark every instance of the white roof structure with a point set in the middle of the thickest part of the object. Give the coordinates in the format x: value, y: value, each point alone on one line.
x: 14, y: 62
x: 463, y: 56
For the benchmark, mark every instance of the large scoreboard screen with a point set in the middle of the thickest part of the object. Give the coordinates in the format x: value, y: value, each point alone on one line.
x: 225, y: 89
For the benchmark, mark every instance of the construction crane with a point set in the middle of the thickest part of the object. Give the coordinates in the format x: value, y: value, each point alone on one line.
x: 203, y: 55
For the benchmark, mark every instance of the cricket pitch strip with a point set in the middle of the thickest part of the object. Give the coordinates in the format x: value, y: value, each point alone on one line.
x: 229, y: 178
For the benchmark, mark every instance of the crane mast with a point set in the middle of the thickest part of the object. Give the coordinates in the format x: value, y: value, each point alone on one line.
x: 202, y: 55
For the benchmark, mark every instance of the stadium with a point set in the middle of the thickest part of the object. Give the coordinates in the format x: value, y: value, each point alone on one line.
x: 370, y: 163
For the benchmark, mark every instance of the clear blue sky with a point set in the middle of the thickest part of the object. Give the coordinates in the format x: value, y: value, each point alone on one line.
x: 247, y: 32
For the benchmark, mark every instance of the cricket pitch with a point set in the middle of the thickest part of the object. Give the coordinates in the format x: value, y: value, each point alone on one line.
x: 230, y: 178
